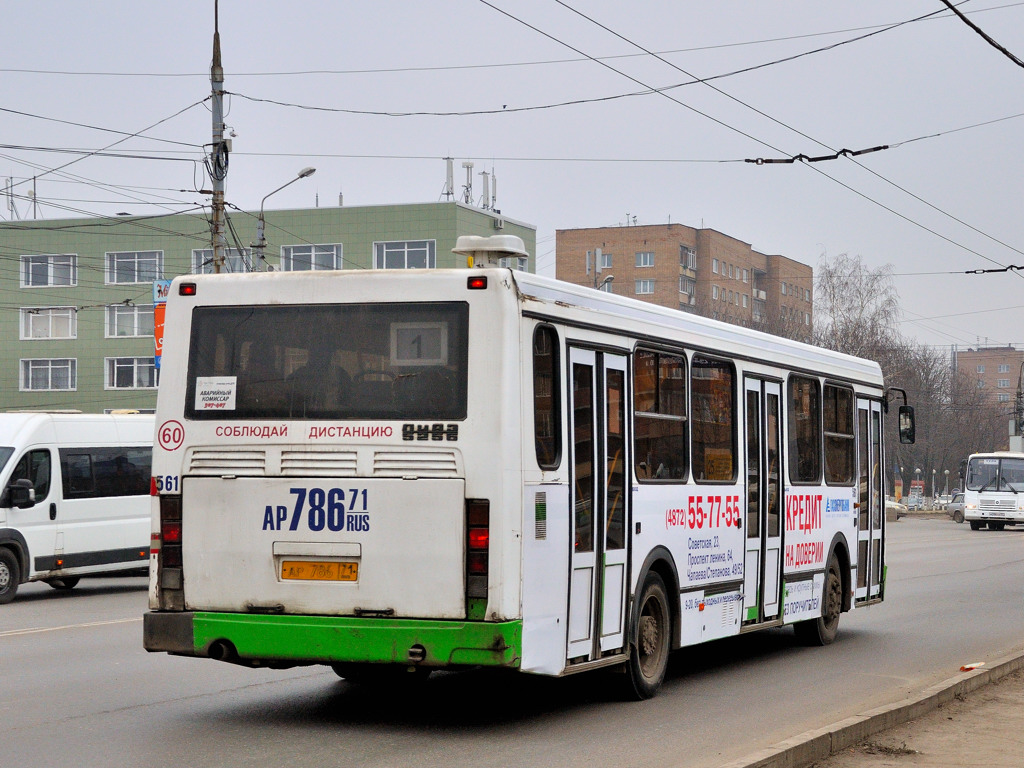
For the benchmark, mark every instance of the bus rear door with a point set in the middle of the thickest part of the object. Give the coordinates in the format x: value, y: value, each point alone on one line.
x: 597, y: 589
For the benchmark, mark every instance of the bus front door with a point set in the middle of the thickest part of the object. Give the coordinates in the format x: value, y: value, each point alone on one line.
x: 597, y: 422
x: 869, y: 501
x: 762, y: 567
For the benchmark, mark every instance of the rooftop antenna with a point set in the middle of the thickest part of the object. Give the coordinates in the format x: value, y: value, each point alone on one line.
x: 494, y: 191
x: 448, y: 193
x: 486, y: 197
x: 467, y: 191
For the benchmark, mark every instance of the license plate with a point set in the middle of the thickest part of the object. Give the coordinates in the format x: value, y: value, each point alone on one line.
x: 307, y: 570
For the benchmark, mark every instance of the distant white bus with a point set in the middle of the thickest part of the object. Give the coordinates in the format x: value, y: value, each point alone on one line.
x: 994, y: 490
x: 421, y: 469
x: 75, y: 499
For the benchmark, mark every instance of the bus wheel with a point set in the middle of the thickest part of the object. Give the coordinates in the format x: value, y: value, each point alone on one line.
x: 67, y: 582
x: 10, y: 575
x: 380, y: 674
x: 997, y: 526
x: 822, y: 630
x: 975, y: 525
x: 650, y: 646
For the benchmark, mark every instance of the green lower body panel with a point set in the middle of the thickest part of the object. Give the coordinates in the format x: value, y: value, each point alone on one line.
x: 329, y: 639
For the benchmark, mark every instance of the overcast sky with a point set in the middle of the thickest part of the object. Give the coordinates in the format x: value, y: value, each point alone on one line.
x: 944, y: 198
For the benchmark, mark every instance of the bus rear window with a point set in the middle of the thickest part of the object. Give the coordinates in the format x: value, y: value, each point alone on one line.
x: 328, y: 361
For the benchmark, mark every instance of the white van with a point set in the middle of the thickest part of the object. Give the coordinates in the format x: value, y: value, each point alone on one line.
x: 75, y: 499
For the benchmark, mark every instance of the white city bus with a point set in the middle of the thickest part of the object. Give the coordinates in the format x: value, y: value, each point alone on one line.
x: 424, y: 469
x: 994, y: 490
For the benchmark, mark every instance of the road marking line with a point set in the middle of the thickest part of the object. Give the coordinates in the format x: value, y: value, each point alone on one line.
x: 37, y: 630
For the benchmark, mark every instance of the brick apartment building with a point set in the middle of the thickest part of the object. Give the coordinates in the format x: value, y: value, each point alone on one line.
x: 996, y: 370
x: 694, y: 270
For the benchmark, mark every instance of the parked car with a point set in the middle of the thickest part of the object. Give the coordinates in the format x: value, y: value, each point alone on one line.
x: 955, y: 508
x: 894, y: 507
x: 915, y: 502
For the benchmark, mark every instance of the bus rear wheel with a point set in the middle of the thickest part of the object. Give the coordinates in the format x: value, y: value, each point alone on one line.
x: 10, y: 576
x: 823, y: 630
x: 380, y: 674
x: 976, y: 525
x: 997, y: 526
x: 651, y: 641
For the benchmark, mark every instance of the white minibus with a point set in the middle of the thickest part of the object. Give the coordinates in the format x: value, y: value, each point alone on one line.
x: 75, y: 499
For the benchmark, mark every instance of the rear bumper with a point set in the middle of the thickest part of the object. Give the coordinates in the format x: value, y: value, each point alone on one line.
x: 276, y: 640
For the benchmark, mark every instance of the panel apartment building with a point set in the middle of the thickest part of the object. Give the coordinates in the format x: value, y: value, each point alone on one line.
x: 77, y: 295
x: 694, y: 270
x: 995, y: 369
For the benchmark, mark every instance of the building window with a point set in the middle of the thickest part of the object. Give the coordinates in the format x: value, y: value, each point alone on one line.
x: 234, y: 261
x: 297, y: 258
x: 49, y: 375
x: 746, y: 300
x: 980, y: 369
x: 606, y: 260
x: 130, y: 373
x: 981, y: 384
x: 1002, y: 398
x: 714, y: 266
x: 49, y: 323
x: 520, y: 264
x: 687, y: 257
x: 807, y: 318
x: 645, y: 258
x: 784, y: 289
x: 714, y: 293
x: 131, y: 267
x: 746, y: 275
x: 125, y: 320
x: 687, y: 285
x: 645, y: 286
x: 1002, y: 382
x: 42, y: 271
x: 1004, y: 368
x: 404, y: 254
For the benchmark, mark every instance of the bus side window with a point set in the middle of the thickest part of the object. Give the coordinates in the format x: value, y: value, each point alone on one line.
x: 546, y: 392
x: 804, y: 417
x: 713, y: 409
x: 659, y: 410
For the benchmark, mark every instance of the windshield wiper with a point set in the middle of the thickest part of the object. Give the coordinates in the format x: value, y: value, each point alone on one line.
x: 1002, y: 480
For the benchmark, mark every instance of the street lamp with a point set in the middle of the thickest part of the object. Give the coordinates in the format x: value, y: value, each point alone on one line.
x: 607, y: 281
x: 261, y: 243
x: 945, y: 489
x: 933, y: 483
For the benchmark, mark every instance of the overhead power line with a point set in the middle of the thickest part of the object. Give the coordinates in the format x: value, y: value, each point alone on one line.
x: 983, y: 34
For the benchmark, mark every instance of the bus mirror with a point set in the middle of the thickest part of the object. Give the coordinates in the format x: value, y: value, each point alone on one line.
x: 907, y: 427
x: 23, y: 495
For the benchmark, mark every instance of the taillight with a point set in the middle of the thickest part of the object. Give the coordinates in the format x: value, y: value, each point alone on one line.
x: 478, y: 537
x: 170, y: 531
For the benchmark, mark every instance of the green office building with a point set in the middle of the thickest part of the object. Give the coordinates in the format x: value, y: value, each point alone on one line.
x: 77, y: 294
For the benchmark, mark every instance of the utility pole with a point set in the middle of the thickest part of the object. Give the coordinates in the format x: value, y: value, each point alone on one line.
x: 218, y: 163
x: 1017, y: 424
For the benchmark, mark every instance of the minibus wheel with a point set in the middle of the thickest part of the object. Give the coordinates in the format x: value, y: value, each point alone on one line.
x: 66, y: 582
x: 10, y: 575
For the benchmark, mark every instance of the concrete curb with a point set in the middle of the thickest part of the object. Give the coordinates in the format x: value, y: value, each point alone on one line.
x: 803, y: 750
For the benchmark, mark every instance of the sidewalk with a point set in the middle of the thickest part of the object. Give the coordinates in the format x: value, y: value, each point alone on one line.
x: 973, y: 719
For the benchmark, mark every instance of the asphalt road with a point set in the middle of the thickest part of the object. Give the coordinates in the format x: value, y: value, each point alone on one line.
x: 79, y: 690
